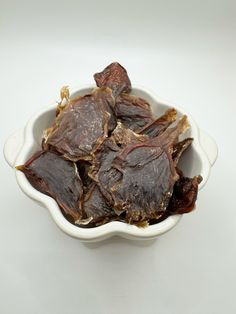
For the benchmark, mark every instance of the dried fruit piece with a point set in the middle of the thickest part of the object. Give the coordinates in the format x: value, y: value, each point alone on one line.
x: 184, y: 195
x: 102, y: 171
x: 95, y: 207
x: 115, y: 77
x: 158, y: 126
x: 82, y: 126
x: 124, y: 136
x: 51, y: 174
x: 84, y: 168
x: 134, y: 112
x: 148, y: 176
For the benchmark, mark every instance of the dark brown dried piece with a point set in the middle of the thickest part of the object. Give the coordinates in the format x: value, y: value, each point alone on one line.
x: 158, y: 126
x: 81, y: 128
x: 184, y: 195
x: 115, y: 77
x: 102, y: 171
x: 52, y: 175
x: 84, y: 168
x: 95, y: 207
x: 148, y: 176
x: 134, y: 112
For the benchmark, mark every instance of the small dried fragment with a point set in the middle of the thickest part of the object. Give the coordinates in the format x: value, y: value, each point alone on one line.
x: 124, y: 136
x: 84, y: 168
x: 115, y: 77
x: 184, y: 195
x: 134, y: 112
x: 52, y: 175
x: 158, y: 126
x: 102, y: 171
x: 95, y: 207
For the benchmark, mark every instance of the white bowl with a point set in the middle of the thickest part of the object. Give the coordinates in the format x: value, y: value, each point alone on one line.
x: 22, y: 144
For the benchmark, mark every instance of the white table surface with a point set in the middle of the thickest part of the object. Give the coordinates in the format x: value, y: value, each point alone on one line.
x: 186, y: 52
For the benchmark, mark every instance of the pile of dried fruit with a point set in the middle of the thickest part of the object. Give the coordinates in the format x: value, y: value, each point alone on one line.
x: 106, y: 157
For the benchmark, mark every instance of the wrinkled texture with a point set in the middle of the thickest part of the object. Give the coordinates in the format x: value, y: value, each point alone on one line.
x: 134, y: 112
x: 106, y: 157
x: 124, y: 136
x: 158, y: 126
x: 53, y: 175
x: 115, y: 77
x: 184, y: 195
x: 96, y: 207
x: 102, y: 171
x: 82, y: 126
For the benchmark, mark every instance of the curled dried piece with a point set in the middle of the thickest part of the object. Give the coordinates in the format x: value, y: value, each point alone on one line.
x: 148, y: 176
x: 184, y: 195
x: 95, y: 207
x: 134, y: 112
x: 84, y: 168
x: 102, y: 171
x: 158, y: 126
x: 115, y: 77
x: 124, y: 136
x: 179, y: 148
x: 146, y: 185
x: 51, y: 174
x: 81, y: 127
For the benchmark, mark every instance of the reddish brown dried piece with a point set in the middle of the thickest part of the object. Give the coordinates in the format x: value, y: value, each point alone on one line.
x: 102, y: 171
x: 96, y: 208
x: 51, y: 174
x: 184, y: 195
x: 148, y: 176
x: 115, y: 77
x: 158, y: 126
x: 81, y: 128
x: 134, y: 112
x: 124, y: 136
x: 84, y: 168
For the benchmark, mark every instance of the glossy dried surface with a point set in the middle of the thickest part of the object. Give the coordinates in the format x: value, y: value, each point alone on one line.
x: 184, y: 195
x: 148, y: 176
x: 82, y: 126
x: 96, y: 208
x: 115, y: 77
x: 158, y: 126
x: 134, y: 112
x: 102, y: 170
x: 51, y: 174
x: 106, y: 157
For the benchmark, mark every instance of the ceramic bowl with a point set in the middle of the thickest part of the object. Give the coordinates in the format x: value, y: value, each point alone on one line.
x: 23, y: 143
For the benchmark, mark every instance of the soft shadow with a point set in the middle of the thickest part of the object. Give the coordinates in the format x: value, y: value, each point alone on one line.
x: 115, y: 240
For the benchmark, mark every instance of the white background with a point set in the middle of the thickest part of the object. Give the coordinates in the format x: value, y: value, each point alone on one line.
x: 186, y: 52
